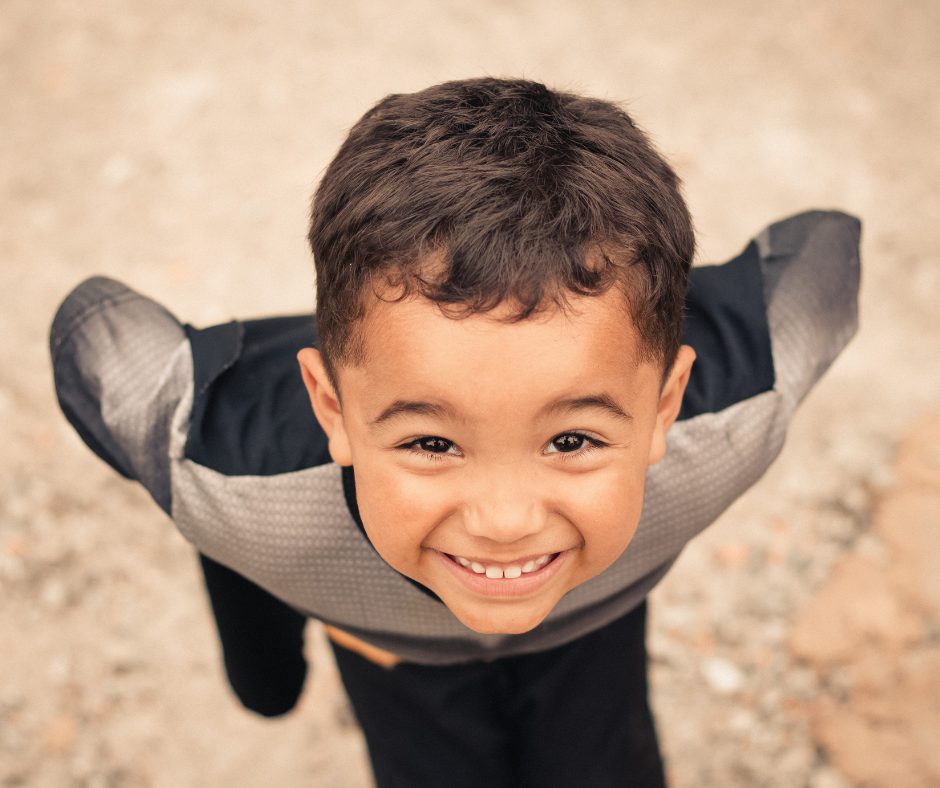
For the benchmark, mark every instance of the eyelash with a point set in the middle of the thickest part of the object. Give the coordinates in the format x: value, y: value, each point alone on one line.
x: 412, y: 447
x: 592, y: 445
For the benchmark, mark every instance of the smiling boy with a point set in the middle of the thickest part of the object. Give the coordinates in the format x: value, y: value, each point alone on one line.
x: 500, y: 464
x: 511, y: 441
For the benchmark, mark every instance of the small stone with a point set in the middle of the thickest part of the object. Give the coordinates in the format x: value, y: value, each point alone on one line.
x: 704, y: 642
x: 732, y: 555
x: 54, y: 594
x: 11, y: 739
x: 776, y: 555
x: 801, y: 682
x: 771, y: 700
x: 764, y: 657
x: 827, y: 777
x: 676, y: 616
x: 12, y: 699
x: 837, y: 526
x: 742, y: 720
x: 12, y: 567
x: 18, y: 546
x: 884, y: 478
x: 58, y: 735
x: 731, y: 631
x: 117, y: 170
x: 59, y: 669
x: 722, y: 675
x: 775, y: 631
x: 872, y: 548
x: 663, y: 649
x: 918, y: 461
x: 907, y: 523
x: 83, y: 761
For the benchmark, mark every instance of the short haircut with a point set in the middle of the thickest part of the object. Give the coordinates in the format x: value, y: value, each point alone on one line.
x: 518, y: 193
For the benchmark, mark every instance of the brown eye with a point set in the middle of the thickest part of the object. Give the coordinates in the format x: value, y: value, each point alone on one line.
x: 435, y: 445
x: 568, y: 442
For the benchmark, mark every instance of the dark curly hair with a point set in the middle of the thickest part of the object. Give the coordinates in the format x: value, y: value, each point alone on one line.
x: 520, y: 194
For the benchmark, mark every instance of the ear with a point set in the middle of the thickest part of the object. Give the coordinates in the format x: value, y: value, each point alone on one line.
x: 670, y: 401
x: 326, y: 404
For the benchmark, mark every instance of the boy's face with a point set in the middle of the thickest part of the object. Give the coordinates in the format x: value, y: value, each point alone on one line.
x: 499, y: 464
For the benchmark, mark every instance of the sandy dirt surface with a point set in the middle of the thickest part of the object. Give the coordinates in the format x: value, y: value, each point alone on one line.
x: 175, y: 146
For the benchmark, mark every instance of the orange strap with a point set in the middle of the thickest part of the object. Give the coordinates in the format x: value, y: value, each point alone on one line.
x: 384, y: 658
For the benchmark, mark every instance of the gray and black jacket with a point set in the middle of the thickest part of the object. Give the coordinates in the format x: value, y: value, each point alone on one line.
x: 216, y: 424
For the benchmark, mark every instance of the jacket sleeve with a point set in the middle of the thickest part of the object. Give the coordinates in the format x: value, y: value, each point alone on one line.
x: 810, y: 267
x: 121, y: 365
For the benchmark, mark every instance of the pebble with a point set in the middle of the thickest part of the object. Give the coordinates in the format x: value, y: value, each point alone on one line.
x: 12, y: 568
x: 59, y: 669
x: 58, y: 735
x: 722, y: 675
x: 12, y: 699
x: 827, y: 777
x: 732, y: 555
x: 11, y: 739
x: 54, y: 594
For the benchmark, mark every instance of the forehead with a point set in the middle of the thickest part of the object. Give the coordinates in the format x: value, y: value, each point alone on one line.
x: 413, y: 349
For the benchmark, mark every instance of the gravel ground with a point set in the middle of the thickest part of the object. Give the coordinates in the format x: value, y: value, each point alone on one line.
x: 175, y: 145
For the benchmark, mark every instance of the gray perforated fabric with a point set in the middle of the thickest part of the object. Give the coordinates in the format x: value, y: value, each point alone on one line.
x: 129, y: 356
x: 293, y: 534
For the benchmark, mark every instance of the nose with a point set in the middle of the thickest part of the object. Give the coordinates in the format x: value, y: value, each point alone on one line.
x: 504, y: 507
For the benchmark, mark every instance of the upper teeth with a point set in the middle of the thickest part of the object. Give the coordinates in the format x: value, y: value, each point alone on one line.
x: 497, y: 572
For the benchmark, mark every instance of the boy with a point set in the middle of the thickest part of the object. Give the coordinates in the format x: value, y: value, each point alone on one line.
x: 499, y: 355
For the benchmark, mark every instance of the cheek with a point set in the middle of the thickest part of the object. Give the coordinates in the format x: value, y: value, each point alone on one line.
x: 398, y: 512
x: 608, y: 514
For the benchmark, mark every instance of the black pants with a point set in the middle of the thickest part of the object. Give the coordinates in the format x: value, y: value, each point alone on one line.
x: 576, y: 715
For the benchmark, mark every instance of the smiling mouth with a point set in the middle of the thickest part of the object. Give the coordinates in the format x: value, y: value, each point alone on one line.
x: 499, y: 571
x: 517, y: 579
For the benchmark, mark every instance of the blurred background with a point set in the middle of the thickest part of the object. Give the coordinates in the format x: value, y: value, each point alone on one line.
x: 175, y: 146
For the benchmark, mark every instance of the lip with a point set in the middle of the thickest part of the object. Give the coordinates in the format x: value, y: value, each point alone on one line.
x: 504, y: 587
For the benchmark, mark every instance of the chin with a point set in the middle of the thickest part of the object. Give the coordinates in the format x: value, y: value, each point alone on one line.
x: 499, y: 618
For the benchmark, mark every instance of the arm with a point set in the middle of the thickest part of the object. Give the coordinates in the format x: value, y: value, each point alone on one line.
x: 810, y: 265
x: 122, y: 365
x: 123, y: 370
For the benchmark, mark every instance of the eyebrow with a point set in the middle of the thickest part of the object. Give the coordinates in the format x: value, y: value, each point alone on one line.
x: 402, y: 407
x: 591, y: 402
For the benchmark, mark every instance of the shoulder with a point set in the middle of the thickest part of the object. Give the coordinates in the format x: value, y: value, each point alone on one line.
x: 765, y: 327
x: 123, y: 365
x: 251, y: 415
